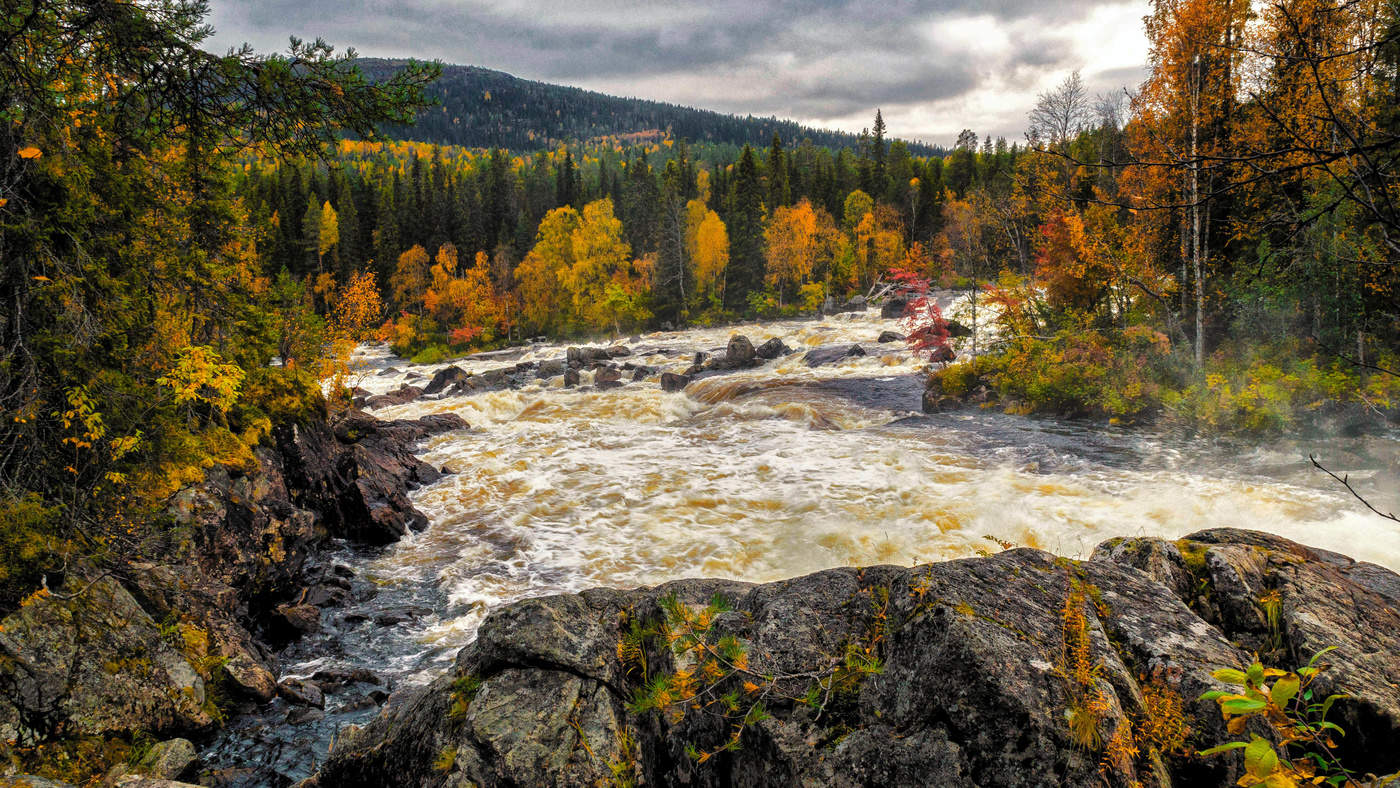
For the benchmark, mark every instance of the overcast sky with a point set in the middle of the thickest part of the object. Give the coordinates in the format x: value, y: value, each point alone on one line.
x: 934, y: 68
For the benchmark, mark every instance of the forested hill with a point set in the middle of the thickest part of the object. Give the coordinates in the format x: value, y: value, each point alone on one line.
x: 481, y: 108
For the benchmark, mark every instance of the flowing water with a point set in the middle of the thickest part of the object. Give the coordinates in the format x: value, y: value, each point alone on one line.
x: 765, y: 474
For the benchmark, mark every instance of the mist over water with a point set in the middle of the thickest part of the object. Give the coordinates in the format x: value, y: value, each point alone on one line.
x: 779, y: 471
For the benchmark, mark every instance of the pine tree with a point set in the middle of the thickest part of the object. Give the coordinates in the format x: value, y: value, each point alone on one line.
x: 879, y: 178
x: 778, y: 194
x: 566, y: 182
x: 746, y: 263
x: 311, y: 235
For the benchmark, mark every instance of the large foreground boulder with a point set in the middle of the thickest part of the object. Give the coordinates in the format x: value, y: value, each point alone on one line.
x: 89, y: 660
x: 1019, y: 669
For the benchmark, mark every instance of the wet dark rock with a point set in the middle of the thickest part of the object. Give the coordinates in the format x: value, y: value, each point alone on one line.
x: 607, y: 378
x: 498, y: 379
x: 250, y: 677
x: 619, y: 351
x: 890, y: 336
x: 358, y: 473
x: 894, y: 307
x: 698, y: 363
x: 739, y: 352
x: 641, y: 372
x: 341, y: 570
x: 399, y: 396
x: 443, y: 378
x: 969, y: 693
x: 325, y: 595
x: 571, y: 378
x: 301, y: 692
x: 551, y: 368
x: 956, y: 329
x: 298, y: 617
x: 670, y: 381
x: 304, y: 714
x: 390, y: 371
x: 831, y: 354
x: 942, y: 355
x: 579, y: 357
x: 341, y: 676
x: 855, y: 304
x: 772, y: 349
x: 401, y: 615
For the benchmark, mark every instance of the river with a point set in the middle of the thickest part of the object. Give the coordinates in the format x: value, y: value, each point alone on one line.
x: 759, y: 475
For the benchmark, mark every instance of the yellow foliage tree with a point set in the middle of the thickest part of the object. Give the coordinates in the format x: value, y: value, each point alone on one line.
x: 410, y: 279
x: 600, y: 258
x: 711, y: 257
x: 800, y: 241
x: 330, y: 229
x: 879, y: 244
x: 538, y: 279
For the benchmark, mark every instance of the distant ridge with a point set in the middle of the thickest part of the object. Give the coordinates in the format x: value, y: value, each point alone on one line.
x: 482, y: 108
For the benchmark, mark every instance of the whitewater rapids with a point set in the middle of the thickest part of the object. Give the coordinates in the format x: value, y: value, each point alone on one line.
x: 785, y: 469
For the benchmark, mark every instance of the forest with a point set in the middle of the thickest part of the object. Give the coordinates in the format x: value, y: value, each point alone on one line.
x: 480, y: 108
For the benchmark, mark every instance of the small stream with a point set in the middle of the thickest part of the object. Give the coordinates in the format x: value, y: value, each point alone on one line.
x: 757, y: 475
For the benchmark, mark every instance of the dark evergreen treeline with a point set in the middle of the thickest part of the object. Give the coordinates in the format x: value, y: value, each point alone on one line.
x: 482, y: 108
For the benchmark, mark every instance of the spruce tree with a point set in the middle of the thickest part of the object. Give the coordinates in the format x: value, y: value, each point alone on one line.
x: 778, y: 195
x: 745, y: 233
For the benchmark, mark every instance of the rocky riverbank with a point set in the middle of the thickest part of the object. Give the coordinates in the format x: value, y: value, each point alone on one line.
x: 169, y: 646
x: 957, y: 673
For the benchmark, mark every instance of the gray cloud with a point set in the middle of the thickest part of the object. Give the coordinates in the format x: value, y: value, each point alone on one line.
x: 815, y: 60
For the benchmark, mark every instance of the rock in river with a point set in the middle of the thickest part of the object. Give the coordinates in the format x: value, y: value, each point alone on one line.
x: 830, y: 354
x: 670, y: 381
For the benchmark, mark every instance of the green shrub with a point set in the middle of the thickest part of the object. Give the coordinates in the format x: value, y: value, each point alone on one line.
x: 432, y: 354
x: 28, y: 546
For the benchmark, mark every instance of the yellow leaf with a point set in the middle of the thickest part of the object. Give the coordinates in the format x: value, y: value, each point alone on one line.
x: 42, y: 278
x: 3, y: 202
x: 30, y: 153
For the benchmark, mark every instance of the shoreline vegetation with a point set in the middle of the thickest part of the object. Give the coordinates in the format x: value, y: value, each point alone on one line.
x: 1222, y: 248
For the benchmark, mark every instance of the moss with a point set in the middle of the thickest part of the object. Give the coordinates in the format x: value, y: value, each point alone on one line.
x: 79, y: 760
x: 445, y: 760
x: 1193, y: 556
x: 463, y: 691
